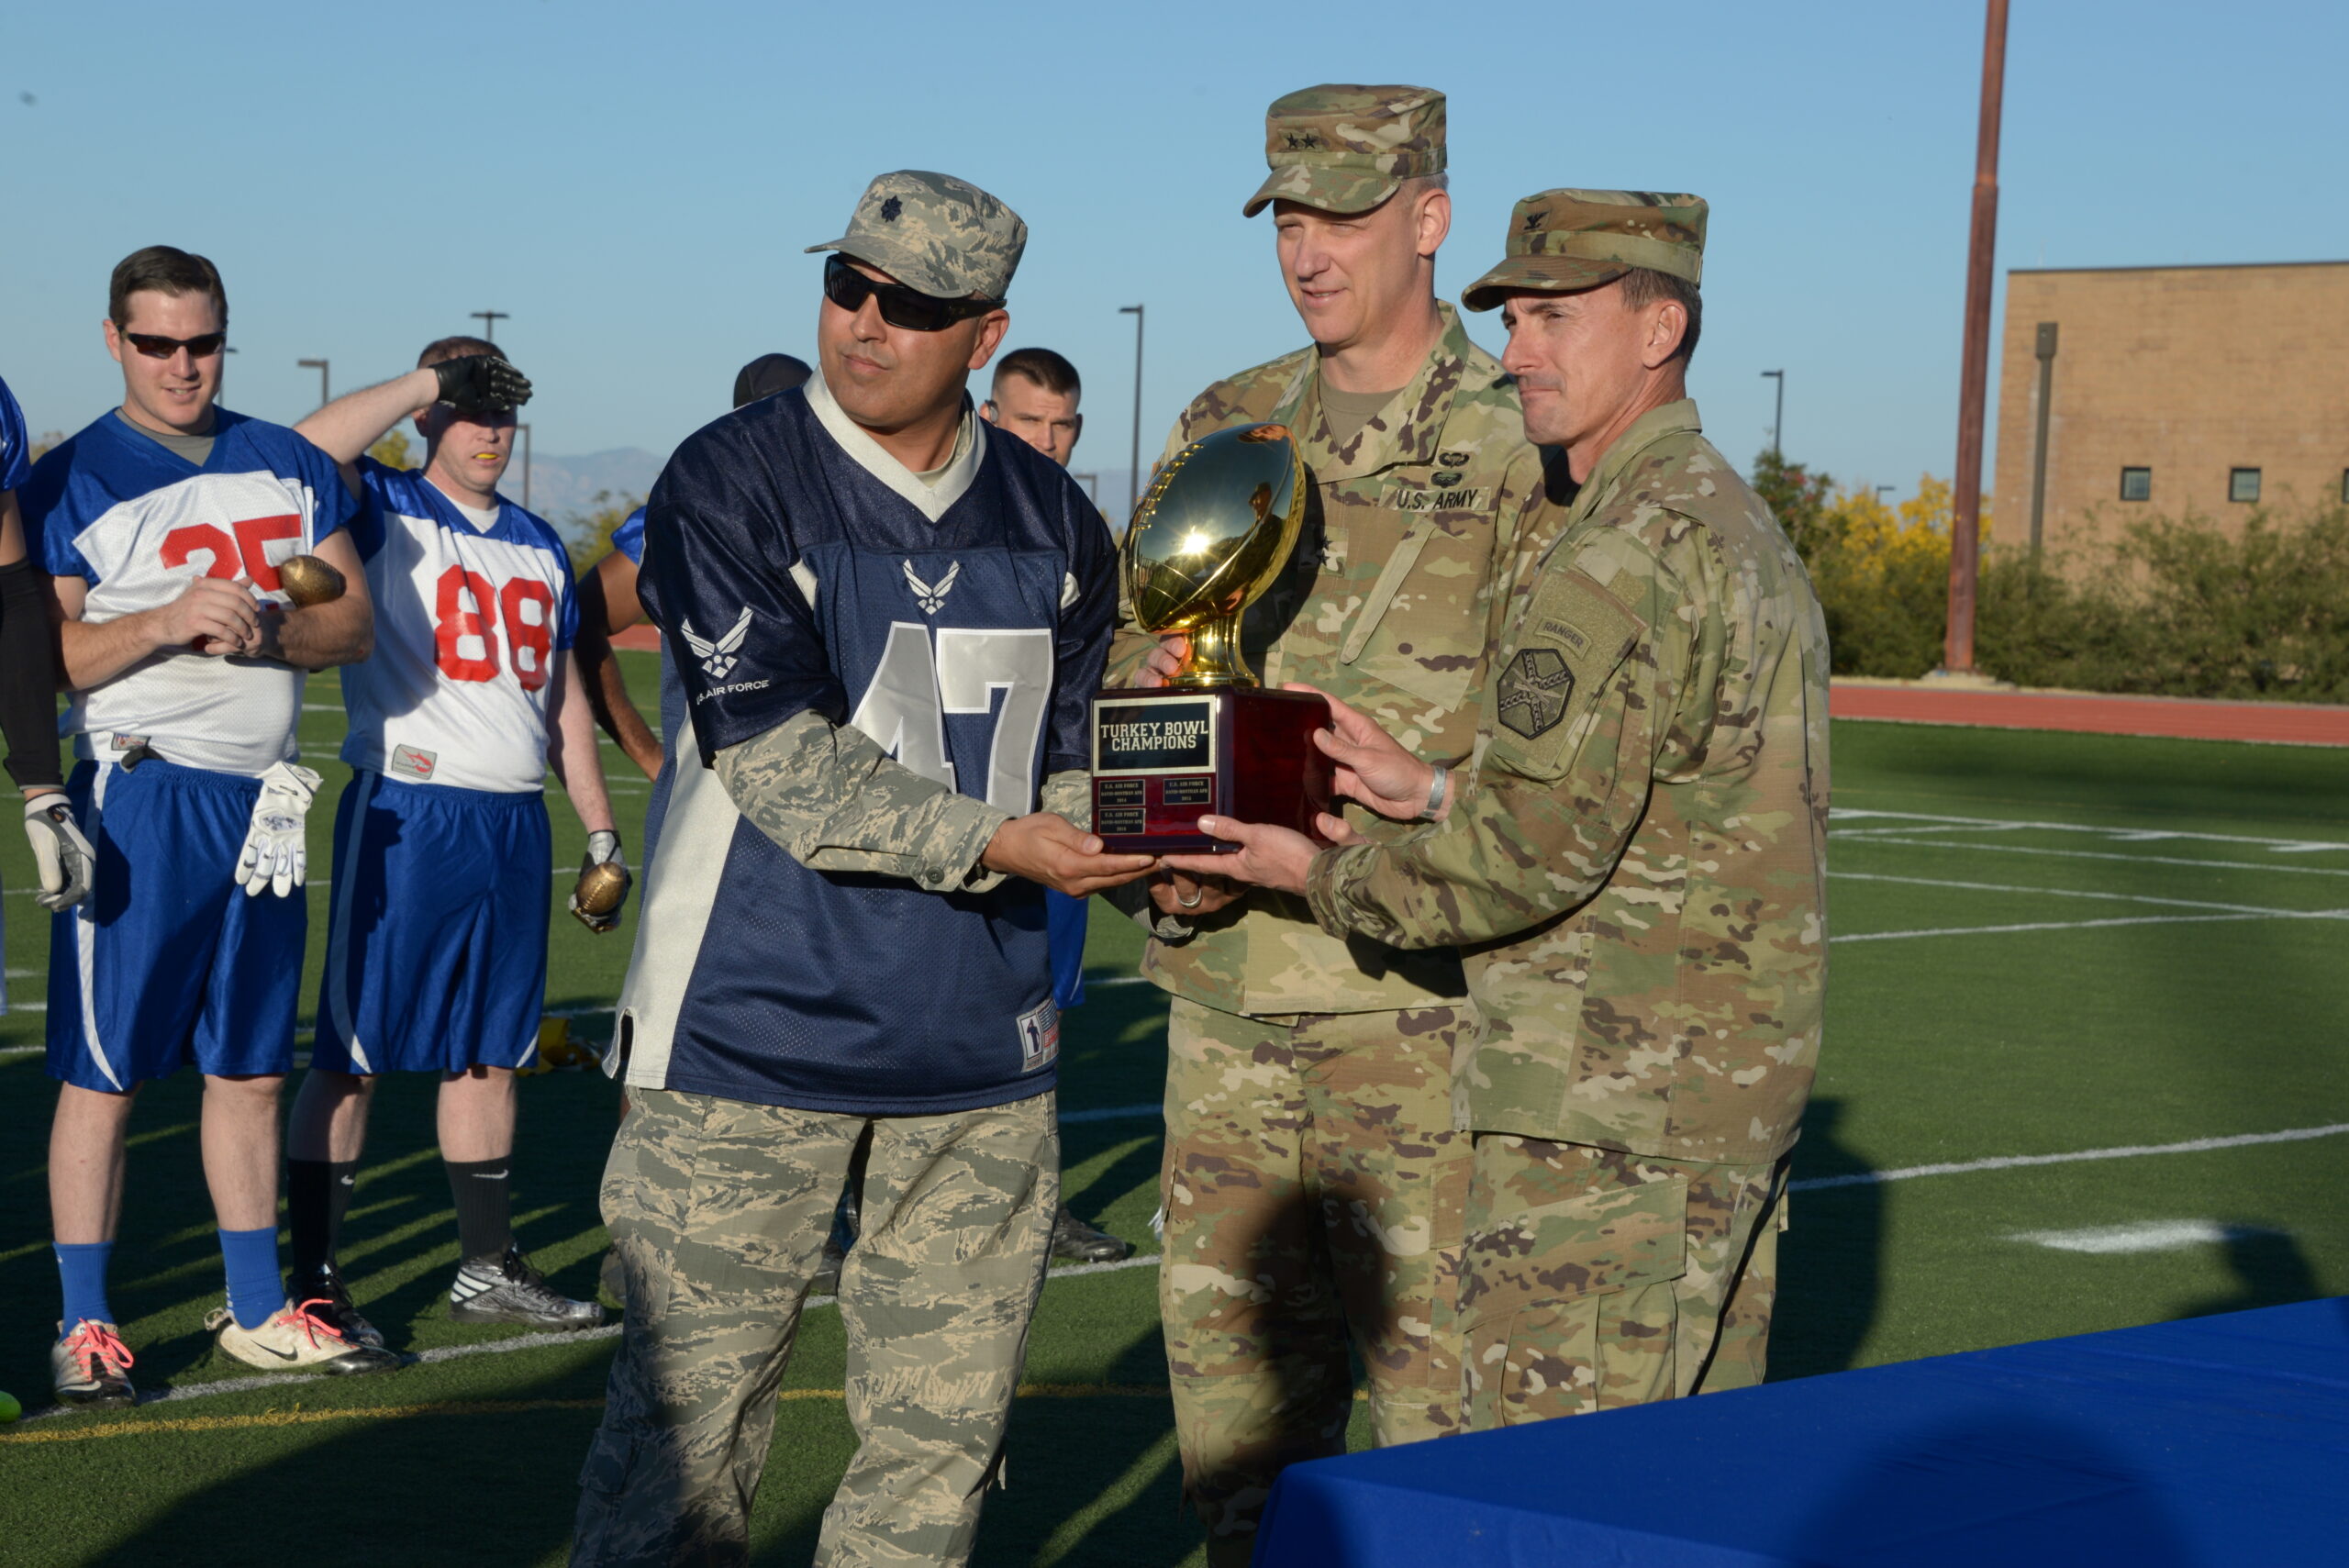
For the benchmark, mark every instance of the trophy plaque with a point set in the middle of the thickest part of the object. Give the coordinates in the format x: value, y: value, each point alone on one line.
x: 1212, y: 534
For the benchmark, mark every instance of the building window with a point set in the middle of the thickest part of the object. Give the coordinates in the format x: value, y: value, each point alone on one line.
x: 2242, y: 484
x: 2136, y: 485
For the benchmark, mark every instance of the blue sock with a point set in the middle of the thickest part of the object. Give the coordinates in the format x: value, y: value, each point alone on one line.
x: 256, y: 1290
x: 81, y: 1266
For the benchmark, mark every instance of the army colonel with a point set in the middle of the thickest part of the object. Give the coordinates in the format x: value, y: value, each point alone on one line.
x: 1639, y: 849
x: 1314, y: 1187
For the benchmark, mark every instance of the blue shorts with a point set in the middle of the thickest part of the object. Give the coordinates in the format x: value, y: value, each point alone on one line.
x: 169, y: 961
x: 436, y: 932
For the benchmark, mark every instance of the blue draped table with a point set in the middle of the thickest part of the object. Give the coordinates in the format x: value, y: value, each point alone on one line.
x: 2216, y: 1441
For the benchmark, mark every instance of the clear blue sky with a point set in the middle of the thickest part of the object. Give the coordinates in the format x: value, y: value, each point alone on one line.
x: 634, y: 183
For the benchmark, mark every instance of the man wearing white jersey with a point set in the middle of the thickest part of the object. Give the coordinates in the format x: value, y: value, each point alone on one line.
x: 162, y: 525
x: 436, y: 932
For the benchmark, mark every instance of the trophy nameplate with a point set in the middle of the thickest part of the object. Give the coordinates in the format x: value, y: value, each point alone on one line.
x: 1213, y: 533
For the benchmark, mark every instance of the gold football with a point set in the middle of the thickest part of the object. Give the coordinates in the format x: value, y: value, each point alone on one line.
x: 600, y: 890
x: 308, y: 581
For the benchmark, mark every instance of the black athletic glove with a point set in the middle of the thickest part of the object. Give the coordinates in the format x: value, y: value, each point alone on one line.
x: 482, y: 384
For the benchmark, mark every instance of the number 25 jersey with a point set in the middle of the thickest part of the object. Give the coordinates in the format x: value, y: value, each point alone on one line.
x: 469, y: 624
x: 139, y: 523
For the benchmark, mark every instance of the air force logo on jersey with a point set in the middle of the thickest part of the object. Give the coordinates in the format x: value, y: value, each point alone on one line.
x: 719, y: 657
x: 932, y: 600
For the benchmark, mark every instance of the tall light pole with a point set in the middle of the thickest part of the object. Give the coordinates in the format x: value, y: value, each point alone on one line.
x: 525, y: 465
x: 1974, y: 377
x: 1134, y: 462
x: 325, y: 396
x: 1779, y: 421
x: 489, y: 320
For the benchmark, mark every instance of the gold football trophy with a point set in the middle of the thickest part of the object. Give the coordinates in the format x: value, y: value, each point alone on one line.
x: 1213, y: 533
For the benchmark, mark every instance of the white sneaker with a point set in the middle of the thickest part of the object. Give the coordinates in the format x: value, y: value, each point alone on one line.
x: 90, y: 1367
x: 297, y: 1338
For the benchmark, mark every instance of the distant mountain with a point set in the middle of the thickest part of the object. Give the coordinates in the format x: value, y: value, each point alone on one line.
x: 561, y: 487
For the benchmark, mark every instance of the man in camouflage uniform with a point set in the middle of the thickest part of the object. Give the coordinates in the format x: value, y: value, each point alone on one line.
x: 1637, y: 859
x: 1313, y: 1187
x: 847, y: 964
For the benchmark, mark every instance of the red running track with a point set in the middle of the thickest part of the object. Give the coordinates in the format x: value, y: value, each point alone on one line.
x: 2290, y: 724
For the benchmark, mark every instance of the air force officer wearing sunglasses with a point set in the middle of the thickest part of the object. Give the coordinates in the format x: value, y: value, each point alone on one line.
x: 889, y: 624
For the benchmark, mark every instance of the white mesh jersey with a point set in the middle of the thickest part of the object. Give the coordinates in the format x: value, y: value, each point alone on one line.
x: 469, y: 624
x: 137, y: 522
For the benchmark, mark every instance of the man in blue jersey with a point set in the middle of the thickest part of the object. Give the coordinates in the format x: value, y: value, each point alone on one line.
x: 889, y: 626
x: 436, y: 934
x: 162, y: 525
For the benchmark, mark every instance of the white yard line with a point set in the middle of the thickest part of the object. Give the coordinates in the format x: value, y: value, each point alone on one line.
x: 2017, y: 1161
x: 2108, y: 855
x: 2077, y: 892
x: 505, y: 1347
x: 2013, y: 823
x: 2084, y: 925
x: 1148, y: 1259
x: 2141, y: 1236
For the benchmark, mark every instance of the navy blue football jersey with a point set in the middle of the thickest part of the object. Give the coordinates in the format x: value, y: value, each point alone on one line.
x: 794, y: 568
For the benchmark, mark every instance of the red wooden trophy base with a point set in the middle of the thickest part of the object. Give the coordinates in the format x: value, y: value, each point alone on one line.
x: 1166, y: 757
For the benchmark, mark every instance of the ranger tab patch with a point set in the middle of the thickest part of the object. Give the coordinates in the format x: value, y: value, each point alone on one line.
x: 1535, y: 690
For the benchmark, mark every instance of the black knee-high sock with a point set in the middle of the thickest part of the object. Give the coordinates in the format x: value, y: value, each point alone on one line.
x: 318, y: 1195
x: 484, y: 1206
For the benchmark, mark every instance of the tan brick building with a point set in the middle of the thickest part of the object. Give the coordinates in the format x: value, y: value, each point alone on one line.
x: 2174, y: 390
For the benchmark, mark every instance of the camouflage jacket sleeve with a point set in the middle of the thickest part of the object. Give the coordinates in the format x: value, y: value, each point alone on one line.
x: 1070, y: 793
x: 835, y: 801
x: 1583, y: 710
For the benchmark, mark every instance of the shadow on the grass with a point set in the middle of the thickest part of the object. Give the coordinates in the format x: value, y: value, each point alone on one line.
x: 2270, y: 1270
x: 1830, y: 1261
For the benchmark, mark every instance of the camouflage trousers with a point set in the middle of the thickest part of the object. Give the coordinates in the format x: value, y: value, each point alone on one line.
x: 718, y: 1211
x: 1596, y: 1279
x: 1314, y: 1193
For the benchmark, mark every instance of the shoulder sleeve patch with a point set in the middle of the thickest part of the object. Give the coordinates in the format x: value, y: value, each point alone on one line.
x: 1572, y: 634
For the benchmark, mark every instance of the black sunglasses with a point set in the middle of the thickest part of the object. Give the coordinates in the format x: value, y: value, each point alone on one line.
x: 901, y: 307
x: 157, y: 347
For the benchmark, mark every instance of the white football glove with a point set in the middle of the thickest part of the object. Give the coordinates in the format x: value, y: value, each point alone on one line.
x: 61, y: 854
x: 601, y: 913
x: 273, y: 856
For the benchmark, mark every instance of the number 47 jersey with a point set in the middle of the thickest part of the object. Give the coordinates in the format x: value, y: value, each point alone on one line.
x: 472, y: 609
x: 962, y: 626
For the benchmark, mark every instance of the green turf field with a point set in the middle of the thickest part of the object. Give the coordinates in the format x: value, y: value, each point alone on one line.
x: 2046, y: 946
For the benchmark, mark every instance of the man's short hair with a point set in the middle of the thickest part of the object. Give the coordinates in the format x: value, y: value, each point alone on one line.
x: 166, y: 269
x: 1045, y: 367
x: 455, y: 348
x: 1644, y: 286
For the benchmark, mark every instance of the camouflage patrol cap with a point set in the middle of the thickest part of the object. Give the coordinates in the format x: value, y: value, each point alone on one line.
x: 936, y: 234
x: 1563, y: 240
x: 1345, y: 149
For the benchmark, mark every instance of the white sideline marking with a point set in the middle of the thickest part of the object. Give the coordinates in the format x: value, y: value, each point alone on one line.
x: 503, y: 1347
x: 1146, y: 1260
x: 2260, y: 910
x: 2108, y: 855
x: 2118, y: 835
x: 2140, y: 1236
x: 2084, y: 925
x: 2016, y: 1162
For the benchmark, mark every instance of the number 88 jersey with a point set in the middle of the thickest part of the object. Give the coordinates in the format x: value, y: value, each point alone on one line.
x: 471, y: 612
